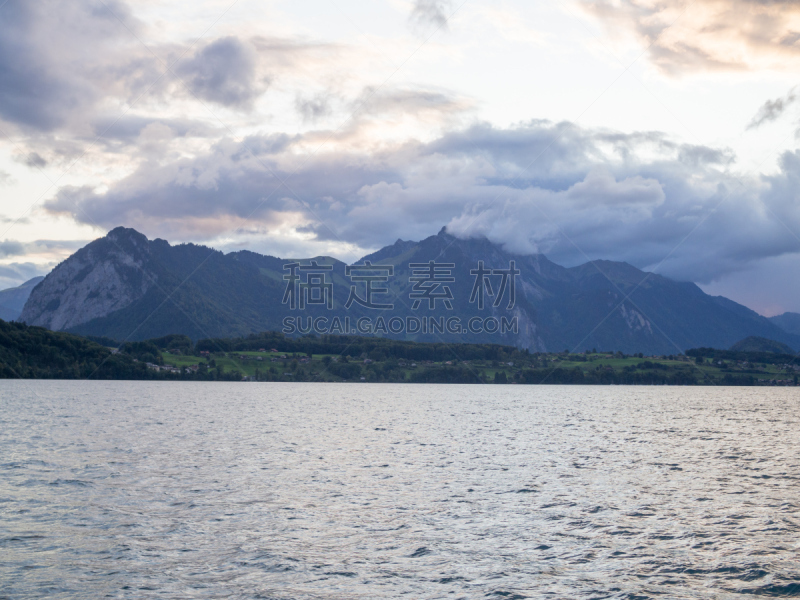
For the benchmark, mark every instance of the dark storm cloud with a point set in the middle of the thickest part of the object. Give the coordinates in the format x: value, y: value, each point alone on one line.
x: 572, y: 193
x: 771, y: 110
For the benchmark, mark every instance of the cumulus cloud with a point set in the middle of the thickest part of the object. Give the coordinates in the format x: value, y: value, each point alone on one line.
x: 572, y: 193
x: 6, y: 179
x: 33, y: 160
x: 685, y: 36
x: 385, y: 101
x: 49, y: 51
x: 313, y: 108
x: 69, y: 67
x: 11, y: 248
x: 77, y: 79
x: 224, y: 72
x: 76, y: 82
x: 430, y: 14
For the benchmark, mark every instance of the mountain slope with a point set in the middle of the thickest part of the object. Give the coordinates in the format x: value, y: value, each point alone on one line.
x: 12, y: 300
x: 789, y: 322
x: 661, y: 314
x: 130, y: 288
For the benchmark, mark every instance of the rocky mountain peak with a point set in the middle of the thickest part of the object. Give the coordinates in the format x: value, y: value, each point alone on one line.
x: 105, y: 276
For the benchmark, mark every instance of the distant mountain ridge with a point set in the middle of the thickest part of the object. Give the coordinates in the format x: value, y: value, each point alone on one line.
x: 788, y: 321
x: 127, y: 287
x: 12, y: 300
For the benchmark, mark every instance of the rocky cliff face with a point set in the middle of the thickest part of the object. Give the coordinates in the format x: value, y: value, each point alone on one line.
x: 101, y: 278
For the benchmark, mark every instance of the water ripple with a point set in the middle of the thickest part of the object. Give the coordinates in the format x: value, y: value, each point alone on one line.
x: 288, y: 491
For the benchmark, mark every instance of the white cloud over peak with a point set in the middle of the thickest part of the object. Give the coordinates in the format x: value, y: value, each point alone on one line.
x: 574, y: 194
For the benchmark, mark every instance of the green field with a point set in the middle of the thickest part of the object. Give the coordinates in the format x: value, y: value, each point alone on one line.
x: 537, y: 368
x: 180, y: 361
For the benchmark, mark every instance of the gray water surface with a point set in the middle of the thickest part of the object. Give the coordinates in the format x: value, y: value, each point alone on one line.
x: 205, y: 490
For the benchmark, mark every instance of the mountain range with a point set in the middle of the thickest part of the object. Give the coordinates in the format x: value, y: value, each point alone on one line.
x: 127, y: 287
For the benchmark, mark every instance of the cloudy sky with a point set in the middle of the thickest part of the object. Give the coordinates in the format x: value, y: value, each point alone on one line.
x: 664, y: 134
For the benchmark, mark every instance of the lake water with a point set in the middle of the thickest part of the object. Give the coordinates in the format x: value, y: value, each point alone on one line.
x: 282, y: 491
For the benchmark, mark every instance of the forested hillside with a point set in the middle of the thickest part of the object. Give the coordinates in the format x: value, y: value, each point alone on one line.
x: 38, y: 353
